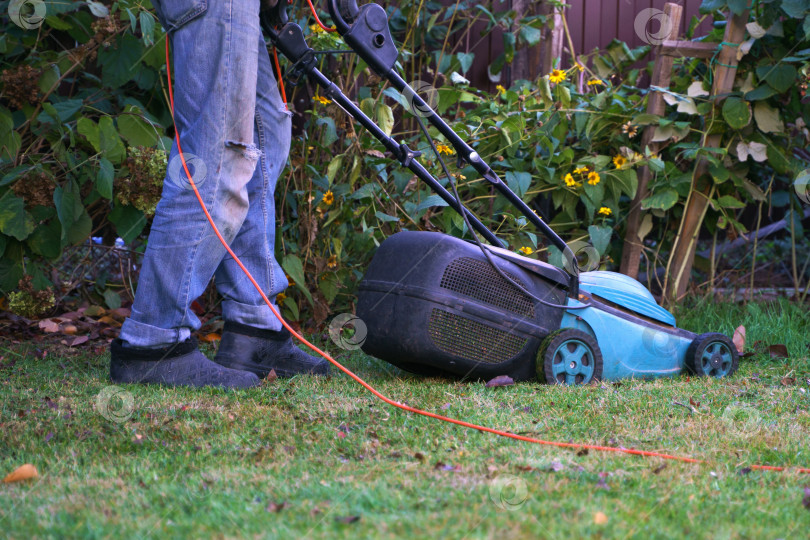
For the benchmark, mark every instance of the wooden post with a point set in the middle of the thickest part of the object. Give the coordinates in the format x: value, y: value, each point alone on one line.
x: 662, y: 73
x: 554, y: 39
x: 682, y: 256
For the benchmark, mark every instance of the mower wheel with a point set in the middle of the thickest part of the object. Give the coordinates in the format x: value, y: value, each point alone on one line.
x: 712, y: 355
x: 569, y: 356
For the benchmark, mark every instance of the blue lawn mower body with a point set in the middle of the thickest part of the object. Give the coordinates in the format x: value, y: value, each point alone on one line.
x: 433, y: 305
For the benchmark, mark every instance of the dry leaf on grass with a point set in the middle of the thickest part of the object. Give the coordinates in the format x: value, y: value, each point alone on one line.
x: 23, y: 472
x: 600, y: 518
x: 778, y: 351
x: 500, y: 380
x: 739, y: 339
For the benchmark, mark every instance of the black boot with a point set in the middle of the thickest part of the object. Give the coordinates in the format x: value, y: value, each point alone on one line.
x: 261, y: 351
x: 178, y: 365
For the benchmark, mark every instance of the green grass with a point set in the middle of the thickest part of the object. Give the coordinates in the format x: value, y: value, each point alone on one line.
x: 193, y: 463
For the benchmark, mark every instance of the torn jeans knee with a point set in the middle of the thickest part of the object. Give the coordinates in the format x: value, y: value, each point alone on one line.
x: 249, y: 150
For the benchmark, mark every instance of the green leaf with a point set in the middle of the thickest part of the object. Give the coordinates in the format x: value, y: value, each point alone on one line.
x: 628, y: 179
x: 104, y: 178
x: 295, y: 269
x: 90, y: 130
x: 147, y: 27
x: 136, y: 130
x: 329, y: 287
x: 68, y: 205
x: 330, y: 132
x: 738, y: 6
x: 767, y: 118
x: 119, y: 63
x: 600, y: 237
x: 109, y: 141
x: 334, y: 167
x: 663, y: 199
x: 290, y: 303
x: 385, y: 217
x: 780, y: 77
x: 385, y: 118
x: 518, y: 182
x: 795, y: 8
x: 128, y: 221
x: 14, y: 220
x: 736, y: 112
x: 46, y: 240
x: 761, y: 92
x: 80, y: 230
x: 727, y: 201
x: 529, y: 34
x: 466, y: 60
x: 112, y: 299
x: 433, y: 200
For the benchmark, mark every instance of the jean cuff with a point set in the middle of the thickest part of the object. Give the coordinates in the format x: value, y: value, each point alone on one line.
x: 256, y: 316
x: 137, y: 334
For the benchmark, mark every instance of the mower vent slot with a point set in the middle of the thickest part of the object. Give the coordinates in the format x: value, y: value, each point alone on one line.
x: 472, y: 340
x: 478, y: 280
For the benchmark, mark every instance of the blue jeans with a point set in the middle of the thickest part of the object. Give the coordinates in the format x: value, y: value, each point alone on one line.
x: 235, y: 135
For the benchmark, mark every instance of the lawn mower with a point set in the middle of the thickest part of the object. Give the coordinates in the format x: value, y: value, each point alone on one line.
x: 438, y: 305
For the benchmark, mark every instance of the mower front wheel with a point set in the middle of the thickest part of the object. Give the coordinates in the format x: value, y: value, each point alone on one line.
x: 569, y: 356
x: 712, y: 355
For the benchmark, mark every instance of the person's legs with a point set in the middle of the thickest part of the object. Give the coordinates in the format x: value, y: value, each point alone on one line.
x: 215, y: 61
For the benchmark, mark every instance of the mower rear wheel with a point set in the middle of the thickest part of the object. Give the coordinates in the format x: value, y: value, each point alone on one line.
x: 569, y: 356
x: 712, y: 355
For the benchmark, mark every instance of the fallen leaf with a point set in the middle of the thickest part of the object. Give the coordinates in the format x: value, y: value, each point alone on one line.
x: 500, y: 380
x: 745, y: 470
x: 48, y: 325
x: 69, y: 328
x: 75, y: 340
x: 600, y: 518
x: 341, y: 434
x: 95, y: 311
x: 276, y: 507
x: 788, y: 381
x: 778, y: 351
x: 208, y: 338
x: 348, y: 519
x: 106, y: 319
x: 659, y: 468
x: 120, y: 313
x: 693, y: 403
x: 420, y: 456
x: 806, y: 499
x: 23, y: 472
x: 739, y: 339
x: 271, y: 376
x: 582, y: 452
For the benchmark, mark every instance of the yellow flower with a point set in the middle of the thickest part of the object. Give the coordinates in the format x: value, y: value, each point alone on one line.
x: 630, y: 129
x: 332, y: 262
x: 570, y: 182
x: 316, y: 29
x: 579, y: 66
x: 322, y: 100
x: 500, y: 89
x: 459, y: 176
x: 605, y: 211
x: 444, y: 149
x: 526, y: 250
x: 328, y: 197
x: 593, y: 178
x: 594, y: 82
x: 580, y: 170
x: 619, y: 161
x: 280, y: 297
x: 290, y: 282
x: 556, y: 76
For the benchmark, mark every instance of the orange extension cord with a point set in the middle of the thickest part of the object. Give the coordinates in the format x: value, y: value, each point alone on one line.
x: 370, y: 388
